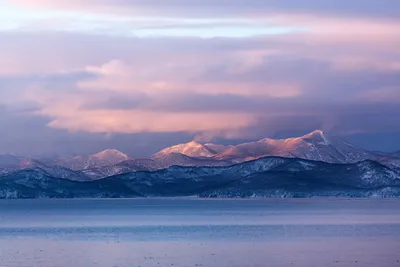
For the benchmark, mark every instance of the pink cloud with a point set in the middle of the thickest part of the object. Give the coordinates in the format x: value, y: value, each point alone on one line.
x: 164, y: 68
x: 136, y: 121
x: 118, y: 76
x: 68, y: 108
x: 67, y: 113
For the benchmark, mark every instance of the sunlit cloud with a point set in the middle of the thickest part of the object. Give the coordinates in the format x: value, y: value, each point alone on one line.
x: 45, y: 18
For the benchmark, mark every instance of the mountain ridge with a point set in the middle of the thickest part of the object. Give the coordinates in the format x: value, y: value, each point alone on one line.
x: 316, y: 146
x: 101, y: 159
x: 266, y: 177
x: 191, y: 149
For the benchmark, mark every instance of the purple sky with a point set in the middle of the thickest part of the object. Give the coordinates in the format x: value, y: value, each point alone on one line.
x: 77, y: 77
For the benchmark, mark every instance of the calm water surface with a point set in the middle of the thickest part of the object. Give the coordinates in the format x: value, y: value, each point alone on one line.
x: 192, y: 232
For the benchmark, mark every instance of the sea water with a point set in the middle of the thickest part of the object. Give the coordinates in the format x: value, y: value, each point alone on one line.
x: 200, y: 232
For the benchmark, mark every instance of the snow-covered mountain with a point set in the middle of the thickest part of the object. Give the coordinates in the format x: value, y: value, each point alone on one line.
x: 266, y: 177
x: 159, y: 163
x: 171, y: 159
x: 105, y: 158
x: 55, y: 171
x: 128, y: 166
x: 316, y: 146
x: 191, y: 149
x: 300, y: 178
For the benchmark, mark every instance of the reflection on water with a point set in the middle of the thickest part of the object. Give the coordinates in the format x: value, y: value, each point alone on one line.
x: 190, y: 232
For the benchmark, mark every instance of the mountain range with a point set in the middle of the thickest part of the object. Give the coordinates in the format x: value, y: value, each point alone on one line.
x: 315, y: 164
x: 266, y: 177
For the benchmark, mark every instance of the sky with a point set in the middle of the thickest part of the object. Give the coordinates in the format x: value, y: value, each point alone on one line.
x: 80, y: 76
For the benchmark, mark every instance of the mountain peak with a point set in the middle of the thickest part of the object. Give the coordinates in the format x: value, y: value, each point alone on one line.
x: 29, y: 163
x: 193, y: 144
x: 191, y: 149
x: 113, y: 153
x: 104, y: 158
x: 317, y: 135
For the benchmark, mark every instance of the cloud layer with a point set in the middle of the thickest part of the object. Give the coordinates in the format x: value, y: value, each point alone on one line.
x: 375, y: 8
x: 285, y: 67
